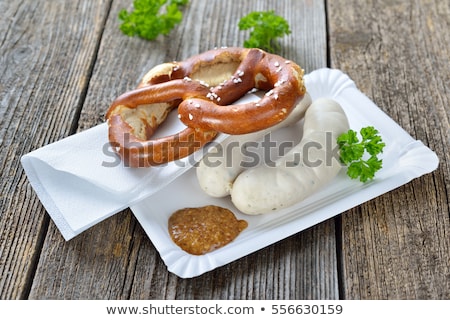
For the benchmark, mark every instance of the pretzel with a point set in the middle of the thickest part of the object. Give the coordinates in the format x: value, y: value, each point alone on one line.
x: 202, y: 87
x: 282, y: 79
x: 134, y: 117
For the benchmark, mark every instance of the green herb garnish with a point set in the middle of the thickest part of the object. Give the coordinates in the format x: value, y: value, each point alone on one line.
x: 267, y: 26
x: 146, y: 20
x: 352, y: 152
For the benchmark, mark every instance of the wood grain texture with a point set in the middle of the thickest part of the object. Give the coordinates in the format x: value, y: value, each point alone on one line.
x: 47, y: 50
x: 115, y: 259
x: 398, y: 245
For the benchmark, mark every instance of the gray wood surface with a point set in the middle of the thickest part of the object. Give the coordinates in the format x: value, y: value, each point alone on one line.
x: 62, y: 63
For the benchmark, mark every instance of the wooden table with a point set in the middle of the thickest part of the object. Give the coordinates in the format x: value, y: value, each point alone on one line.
x: 63, y: 62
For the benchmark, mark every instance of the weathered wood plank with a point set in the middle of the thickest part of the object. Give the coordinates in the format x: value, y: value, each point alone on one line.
x: 47, y: 50
x: 115, y: 259
x: 398, y: 246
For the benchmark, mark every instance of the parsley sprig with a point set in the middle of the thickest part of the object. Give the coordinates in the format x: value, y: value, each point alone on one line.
x: 266, y: 27
x: 353, y: 151
x: 148, y: 19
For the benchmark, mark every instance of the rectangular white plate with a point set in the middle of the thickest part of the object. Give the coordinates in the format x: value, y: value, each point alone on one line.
x: 403, y: 160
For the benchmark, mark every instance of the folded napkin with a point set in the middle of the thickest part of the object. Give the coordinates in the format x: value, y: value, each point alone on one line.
x: 81, y: 181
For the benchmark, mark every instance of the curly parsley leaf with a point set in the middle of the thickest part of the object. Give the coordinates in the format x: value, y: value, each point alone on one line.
x: 148, y: 19
x: 353, y: 150
x: 266, y: 27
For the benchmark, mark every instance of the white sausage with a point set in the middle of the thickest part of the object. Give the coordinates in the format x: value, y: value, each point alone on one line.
x: 218, y: 169
x: 306, y: 168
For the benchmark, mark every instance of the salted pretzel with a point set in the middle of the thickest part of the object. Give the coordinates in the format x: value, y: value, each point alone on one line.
x: 202, y: 87
x: 246, y: 69
x: 134, y: 117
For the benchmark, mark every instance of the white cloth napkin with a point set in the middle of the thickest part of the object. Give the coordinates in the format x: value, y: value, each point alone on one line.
x: 80, y: 181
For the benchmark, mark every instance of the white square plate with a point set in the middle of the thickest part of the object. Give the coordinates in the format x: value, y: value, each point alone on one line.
x: 403, y: 160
